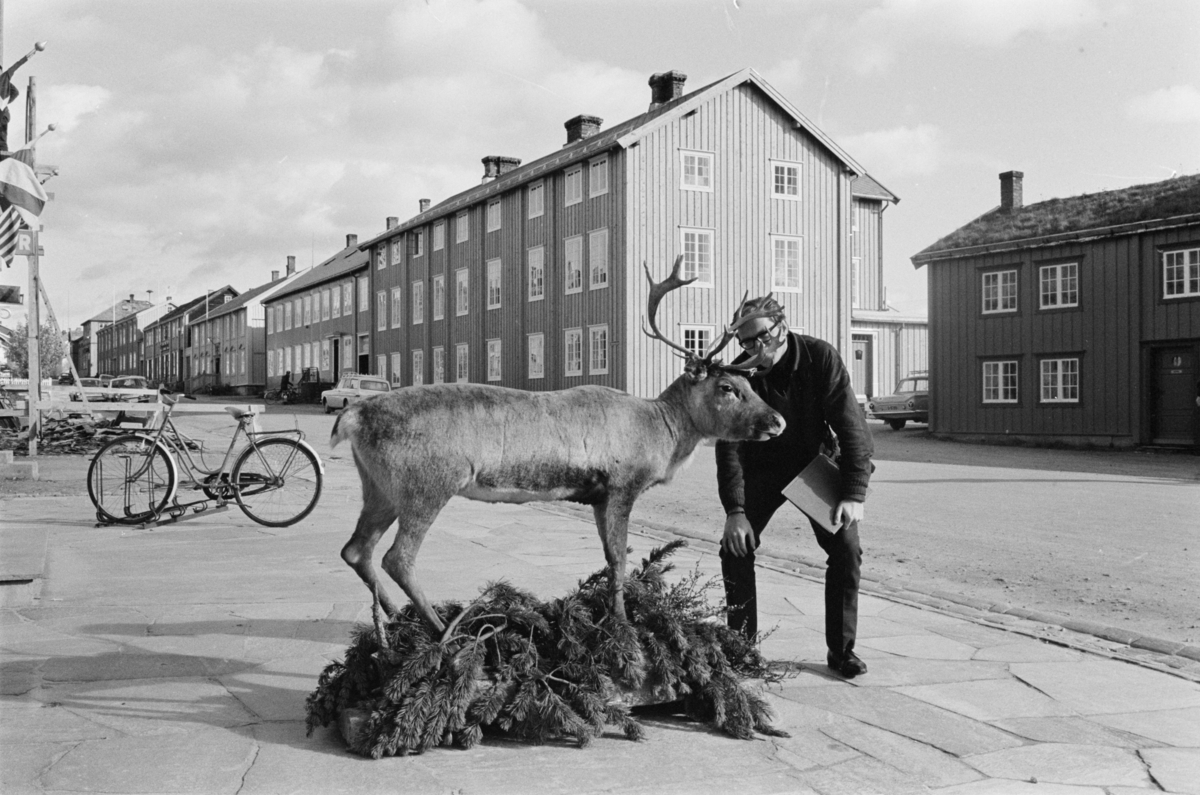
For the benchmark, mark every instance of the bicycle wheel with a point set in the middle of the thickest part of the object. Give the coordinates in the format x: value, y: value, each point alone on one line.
x: 278, y: 482
x: 131, y: 480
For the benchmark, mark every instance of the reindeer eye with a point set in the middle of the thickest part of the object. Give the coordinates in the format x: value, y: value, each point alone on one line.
x: 726, y: 387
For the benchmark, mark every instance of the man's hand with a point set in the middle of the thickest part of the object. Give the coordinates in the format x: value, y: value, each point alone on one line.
x: 739, y: 537
x: 846, y: 512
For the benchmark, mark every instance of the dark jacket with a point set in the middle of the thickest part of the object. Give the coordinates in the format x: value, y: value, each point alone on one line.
x: 811, y: 388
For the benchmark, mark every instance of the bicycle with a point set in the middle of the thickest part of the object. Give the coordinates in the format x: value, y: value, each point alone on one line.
x: 275, y: 479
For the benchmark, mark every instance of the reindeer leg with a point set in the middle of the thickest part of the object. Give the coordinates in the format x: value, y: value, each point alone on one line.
x: 612, y: 520
x: 400, y: 560
x: 377, y: 515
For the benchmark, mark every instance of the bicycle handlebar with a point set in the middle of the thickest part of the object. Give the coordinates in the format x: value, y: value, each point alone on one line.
x: 167, y: 396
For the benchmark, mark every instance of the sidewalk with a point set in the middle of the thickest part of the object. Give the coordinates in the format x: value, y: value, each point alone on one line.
x: 178, y: 660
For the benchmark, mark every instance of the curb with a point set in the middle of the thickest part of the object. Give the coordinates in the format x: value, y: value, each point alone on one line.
x: 958, y: 604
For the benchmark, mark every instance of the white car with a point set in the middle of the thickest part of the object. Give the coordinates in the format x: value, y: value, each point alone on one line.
x: 352, y: 388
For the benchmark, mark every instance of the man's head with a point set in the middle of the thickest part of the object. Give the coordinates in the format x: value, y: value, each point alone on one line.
x: 765, y: 334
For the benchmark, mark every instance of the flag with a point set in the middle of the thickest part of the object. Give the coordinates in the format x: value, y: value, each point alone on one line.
x: 10, y: 224
x: 20, y: 188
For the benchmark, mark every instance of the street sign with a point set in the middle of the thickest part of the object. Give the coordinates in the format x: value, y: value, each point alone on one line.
x: 26, y: 243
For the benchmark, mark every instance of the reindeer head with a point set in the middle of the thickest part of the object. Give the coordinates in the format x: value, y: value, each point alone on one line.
x: 720, y: 400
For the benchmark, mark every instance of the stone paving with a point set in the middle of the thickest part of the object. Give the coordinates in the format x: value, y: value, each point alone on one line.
x: 177, y: 660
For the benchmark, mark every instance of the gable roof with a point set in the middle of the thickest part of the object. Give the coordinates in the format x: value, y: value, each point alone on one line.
x: 349, y: 259
x: 1125, y: 211
x: 246, y: 297
x: 120, y: 310
x: 867, y: 187
x: 624, y: 134
x: 187, y: 306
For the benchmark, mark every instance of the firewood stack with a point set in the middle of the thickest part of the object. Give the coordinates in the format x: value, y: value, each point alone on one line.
x: 62, y: 435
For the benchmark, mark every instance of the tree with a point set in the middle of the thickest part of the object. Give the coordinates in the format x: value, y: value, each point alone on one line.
x: 51, y: 350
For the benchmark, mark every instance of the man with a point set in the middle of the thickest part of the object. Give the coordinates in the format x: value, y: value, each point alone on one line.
x: 804, y: 379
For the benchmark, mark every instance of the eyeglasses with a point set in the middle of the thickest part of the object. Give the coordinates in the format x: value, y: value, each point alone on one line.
x: 762, y: 338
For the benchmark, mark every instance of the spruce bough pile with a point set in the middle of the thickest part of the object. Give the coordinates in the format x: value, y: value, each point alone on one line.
x: 542, y: 670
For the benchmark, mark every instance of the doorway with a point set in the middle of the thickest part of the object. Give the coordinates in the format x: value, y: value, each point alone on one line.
x: 862, y: 365
x: 1173, y: 396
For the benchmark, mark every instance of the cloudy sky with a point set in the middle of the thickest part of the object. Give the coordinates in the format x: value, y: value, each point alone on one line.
x: 200, y: 142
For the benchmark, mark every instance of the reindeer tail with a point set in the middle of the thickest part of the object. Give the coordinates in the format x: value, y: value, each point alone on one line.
x: 344, y: 427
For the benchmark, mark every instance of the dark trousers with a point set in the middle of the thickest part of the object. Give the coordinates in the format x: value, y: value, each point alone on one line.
x: 843, y: 563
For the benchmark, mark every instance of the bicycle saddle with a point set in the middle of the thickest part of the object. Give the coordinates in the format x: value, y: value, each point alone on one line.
x: 237, y: 413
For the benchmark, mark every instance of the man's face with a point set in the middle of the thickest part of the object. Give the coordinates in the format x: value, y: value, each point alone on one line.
x: 766, y: 336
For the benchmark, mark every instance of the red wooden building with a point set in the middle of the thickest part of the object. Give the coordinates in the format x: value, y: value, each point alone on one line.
x: 1073, y: 320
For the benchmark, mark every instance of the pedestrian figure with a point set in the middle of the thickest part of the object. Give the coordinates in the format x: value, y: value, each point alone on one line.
x: 805, y: 380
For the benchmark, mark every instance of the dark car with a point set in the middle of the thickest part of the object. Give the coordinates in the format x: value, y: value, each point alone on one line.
x: 910, y: 401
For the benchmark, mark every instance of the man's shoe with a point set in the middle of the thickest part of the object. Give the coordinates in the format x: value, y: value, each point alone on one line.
x: 848, y: 665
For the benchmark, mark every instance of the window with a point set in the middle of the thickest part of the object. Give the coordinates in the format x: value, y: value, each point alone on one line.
x: 364, y: 290
x: 785, y: 258
x: 271, y: 364
x: 597, y: 350
x: 325, y: 355
x: 462, y: 299
x: 325, y: 305
x: 537, y: 355
x: 308, y: 302
x: 573, y: 186
x: 493, y: 284
x: 697, y: 256
x: 287, y: 315
x: 439, y: 296
x: 462, y: 232
x: 493, y: 360
x: 364, y: 344
x: 1181, y: 273
x: 396, y: 369
x: 461, y: 363
x: 573, y: 269
x: 418, y: 358
x: 305, y: 355
x: 598, y: 258
x: 536, y: 258
x: 348, y: 297
x: 1000, y: 382
x: 786, y: 184
x: 418, y: 244
x: 380, y: 257
x: 1060, y: 380
x: 1000, y: 291
x: 439, y: 236
x: 537, y: 200
x: 397, y: 306
x: 573, y: 351
x: 598, y: 177
x: 439, y: 365
x: 697, y: 170
x: 335, y: 302
x: 697, y: 339
x: 396, y: 243
x: 1059, y: 285
x: 418, y: 302
x: 381, y: 365
x: 381, y: 311
x: 493, y: 215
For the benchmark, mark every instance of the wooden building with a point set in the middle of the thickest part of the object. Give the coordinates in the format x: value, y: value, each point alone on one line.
x: 321, y: 319
x: 1073, y: 320
x: 167, y: 343
x: 121, y: 344
x: 533, y: 279
x: 232, y: 340
x: 88, y: 352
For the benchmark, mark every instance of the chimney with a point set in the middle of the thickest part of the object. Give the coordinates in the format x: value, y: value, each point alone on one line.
x: 495, y: 166
x: 582, y: 127
x: 131, y: 298
x: 291, y: 264
x: 392, y: 221
x: 150, y: 296
x: 1010, y: 191
x: 423, y: 204
x: 274, y: 276
x: 665, y: 86
x: 351, y: 241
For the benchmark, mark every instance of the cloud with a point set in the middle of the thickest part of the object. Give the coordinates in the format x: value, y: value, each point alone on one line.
x: 64, y: 105
x: 1171, y: 105
x: 898, y: 152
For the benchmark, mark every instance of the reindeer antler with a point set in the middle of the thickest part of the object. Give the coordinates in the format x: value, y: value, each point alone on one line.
x: 731, y: 331
x: 657, y: 291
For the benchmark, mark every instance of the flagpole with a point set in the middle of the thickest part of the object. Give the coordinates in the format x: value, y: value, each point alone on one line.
x: 33, y: 323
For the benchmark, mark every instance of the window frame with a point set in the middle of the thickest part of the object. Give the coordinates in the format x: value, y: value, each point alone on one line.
x: 397, y: 370
x: 495, y: 216
x: 1058, y: 280
x: 787, y: 239
x: 364, y: 294
x: 536, y: 209
x: 348, y: 298
x: 540, y: 372
x: 598, y: 165
x: 418, y: 244
x: 381, y: 309
x: 1059, y: 387
x: 397, y: 304
x: 603, y: 270
x: 462, y: 227
x: 568, y: 271
x: 778, y: 163
x: 701, y: 330
x: 700, y: 156
x: 1001, y: 386
x: 573, y: 185
x: 462, y: 362
x: 572, y: 340
x: 418, y: 367
x: 462, y: 292
x: 438, y: 296
x: 600, y: 329
x: 494, y: 273
x: 540, y: 281
x: 1190, y: 261
x: 418, y: 302
x: 439, y: 364
x: 381, y: 257
x: 685, y: 270
x: 439, y: 236
x: 495, y: 355
x: 1000, y: 273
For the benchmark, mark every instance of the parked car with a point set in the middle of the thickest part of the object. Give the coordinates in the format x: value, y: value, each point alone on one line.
x: 910, y: 401
x: 352, y: 388
x: 130, y: 382
x: 89, y: 387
